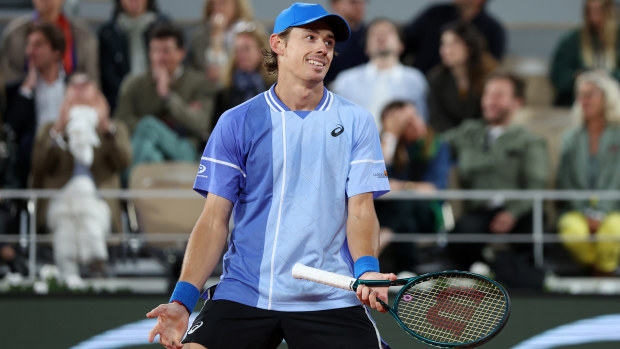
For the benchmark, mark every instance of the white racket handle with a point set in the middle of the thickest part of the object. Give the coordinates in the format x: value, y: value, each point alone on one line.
x: 305, y: 272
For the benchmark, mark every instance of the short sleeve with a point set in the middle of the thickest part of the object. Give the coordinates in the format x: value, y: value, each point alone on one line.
x: 367, y: 172
x: 222, y: 171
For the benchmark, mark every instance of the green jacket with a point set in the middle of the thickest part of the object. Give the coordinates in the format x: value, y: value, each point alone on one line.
x: 574, y: 167
x: 567, y: 63
x: 188, y: 109
x: 518, y: 159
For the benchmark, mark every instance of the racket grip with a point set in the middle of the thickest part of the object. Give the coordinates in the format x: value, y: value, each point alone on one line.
x: 305, y: 272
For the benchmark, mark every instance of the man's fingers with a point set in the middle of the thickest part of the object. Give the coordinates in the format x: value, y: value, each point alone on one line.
x: 154, y: 332
x: 155, y: 312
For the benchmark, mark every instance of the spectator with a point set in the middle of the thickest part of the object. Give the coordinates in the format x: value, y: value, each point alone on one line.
x: 422, y: 35
x: 590, y: 161
x: 81, y: 46
x: 495, y: 154
x: 383, y: 79
x: 123, y: 43
x: 246, y: 75
x: 167, y: 109
x: 211, y: 44
x: 456, y: 85
x: 36, y: 99
x: 80, y: 152
x: 351, y: 53
x: 416, y: 159
x: 593, y: 46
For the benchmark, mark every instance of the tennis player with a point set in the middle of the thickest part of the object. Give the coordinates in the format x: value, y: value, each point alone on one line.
x: 298, y: 167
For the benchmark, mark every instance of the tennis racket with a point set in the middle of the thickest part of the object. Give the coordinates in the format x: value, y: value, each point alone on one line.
x: 449, y: 309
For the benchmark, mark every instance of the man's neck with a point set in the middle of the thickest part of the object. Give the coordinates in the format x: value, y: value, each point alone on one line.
x: 385, y: 62
x: 299, y: 97
x: 50, y: 17
x: 50, y: 74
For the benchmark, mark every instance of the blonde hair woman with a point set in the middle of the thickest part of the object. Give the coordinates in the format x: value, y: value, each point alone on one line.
x: 211, y: 44
x: 590, y: 160
x: 592, y: 46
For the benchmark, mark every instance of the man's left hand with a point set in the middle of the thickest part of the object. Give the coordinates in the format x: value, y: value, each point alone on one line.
x: 370, y: 295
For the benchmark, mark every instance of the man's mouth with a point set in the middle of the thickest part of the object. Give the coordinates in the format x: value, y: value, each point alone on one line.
x: 316, y: 63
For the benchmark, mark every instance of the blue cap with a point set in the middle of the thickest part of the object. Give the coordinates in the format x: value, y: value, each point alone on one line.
x: 302, y: 13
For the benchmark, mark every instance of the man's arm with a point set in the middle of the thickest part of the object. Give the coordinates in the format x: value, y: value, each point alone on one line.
x: 204, y: 249
x: 363, y: 240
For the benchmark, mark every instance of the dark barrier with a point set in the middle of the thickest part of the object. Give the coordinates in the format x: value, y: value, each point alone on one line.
x: 106, y: 322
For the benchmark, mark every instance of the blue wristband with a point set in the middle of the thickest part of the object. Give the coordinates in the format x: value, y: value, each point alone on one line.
x: 186, y: 294
x: 365, y: 264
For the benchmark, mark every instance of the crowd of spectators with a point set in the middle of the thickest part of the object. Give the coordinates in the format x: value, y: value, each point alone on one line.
x: 435, y: 85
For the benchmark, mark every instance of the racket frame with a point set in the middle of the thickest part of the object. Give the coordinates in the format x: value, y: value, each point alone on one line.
x: 430, y: 276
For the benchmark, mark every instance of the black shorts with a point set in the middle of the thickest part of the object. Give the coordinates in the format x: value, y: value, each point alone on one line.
x: 224, y: 324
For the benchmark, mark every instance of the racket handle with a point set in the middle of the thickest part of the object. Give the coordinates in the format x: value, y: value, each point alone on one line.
x: 301, y: 271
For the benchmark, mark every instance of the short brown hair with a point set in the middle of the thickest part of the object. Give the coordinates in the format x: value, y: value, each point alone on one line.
x: 52, y: 34
x: 271, y: 58
x: 518, y: 84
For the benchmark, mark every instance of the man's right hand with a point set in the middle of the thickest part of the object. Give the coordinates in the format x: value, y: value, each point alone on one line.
x: 30, y: 82
x: 172, y: 319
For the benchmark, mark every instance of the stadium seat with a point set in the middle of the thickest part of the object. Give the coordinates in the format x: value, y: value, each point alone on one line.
x: 166, y: 215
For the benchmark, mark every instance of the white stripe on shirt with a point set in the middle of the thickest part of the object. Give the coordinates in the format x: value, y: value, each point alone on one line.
x: 367, y: 161
x: 224, y: 163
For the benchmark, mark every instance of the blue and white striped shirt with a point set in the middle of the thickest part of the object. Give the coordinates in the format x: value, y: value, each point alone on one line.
x: 289, y: 175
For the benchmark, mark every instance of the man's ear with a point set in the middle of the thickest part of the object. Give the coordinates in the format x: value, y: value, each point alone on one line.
x: 277, y: 44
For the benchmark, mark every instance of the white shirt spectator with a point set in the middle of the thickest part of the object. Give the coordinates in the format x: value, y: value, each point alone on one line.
x: 373, y: 89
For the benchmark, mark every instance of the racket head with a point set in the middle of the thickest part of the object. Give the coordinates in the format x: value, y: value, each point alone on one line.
x: 452, y: 309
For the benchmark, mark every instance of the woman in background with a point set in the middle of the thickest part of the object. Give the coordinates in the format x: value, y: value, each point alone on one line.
x: 590, y: 160
x: 123, y: 43
x: 211, y: 44
x: 592, y: 46
x: 246, y: 75
x: 456, y: 85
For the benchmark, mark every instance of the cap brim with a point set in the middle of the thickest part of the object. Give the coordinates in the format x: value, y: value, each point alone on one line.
x: 339, y: 26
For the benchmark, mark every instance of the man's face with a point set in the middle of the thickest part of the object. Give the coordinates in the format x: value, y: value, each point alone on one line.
x: 134, y: 8
x: 307, y: 54
x: 48, y: 6
x: 352, y: 10
x: 39, y: 51
x: 383, y: 40
x: 164, y: 53
x: 499, y: 102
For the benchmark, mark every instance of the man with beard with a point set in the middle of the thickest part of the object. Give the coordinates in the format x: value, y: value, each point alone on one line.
x: 383, y: 79
x: 495, y: 154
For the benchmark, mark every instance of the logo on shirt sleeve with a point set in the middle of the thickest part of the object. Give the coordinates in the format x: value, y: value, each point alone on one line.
x: 380, y: 175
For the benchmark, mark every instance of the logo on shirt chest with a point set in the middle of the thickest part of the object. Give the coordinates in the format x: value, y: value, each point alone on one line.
x: 337, y: 131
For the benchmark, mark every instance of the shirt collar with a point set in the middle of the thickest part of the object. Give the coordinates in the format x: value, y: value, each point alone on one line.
x: 276, y: 104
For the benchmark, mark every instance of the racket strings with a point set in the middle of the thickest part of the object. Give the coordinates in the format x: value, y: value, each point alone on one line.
x: 452, y: 309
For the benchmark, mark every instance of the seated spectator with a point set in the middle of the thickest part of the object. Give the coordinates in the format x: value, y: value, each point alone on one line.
x: 422, y: 35
x: 416, y: 159
x: 36, y: 99
x: 81, y: 46
x: 351, y: 53
x: 123, y: 43
x: 595, y: 45
x: 211, y: 43
x: 456, y: 84
x: 82, y: 151
x: 383, y: 79
x: 495, y: 154
x: 590, y: 161
x: 246, y: 76
x: 168, y: 108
